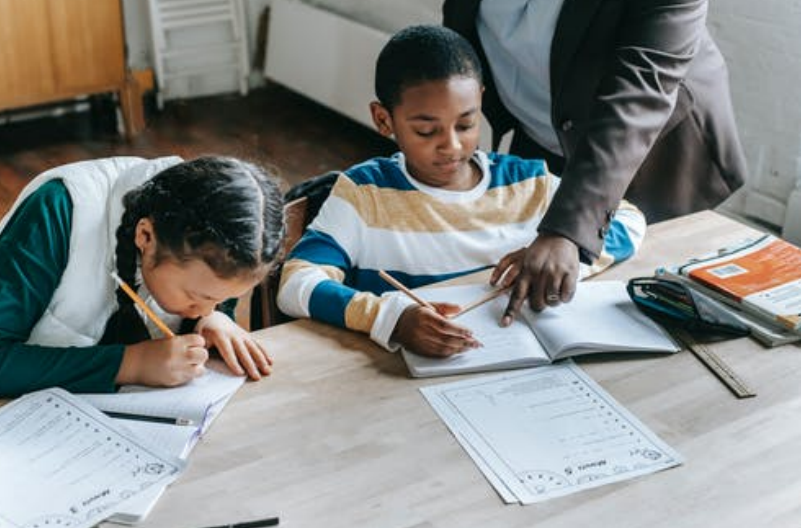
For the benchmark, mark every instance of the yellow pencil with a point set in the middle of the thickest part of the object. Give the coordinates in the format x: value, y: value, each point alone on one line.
x: 138, y: 300
x: 400, y: 287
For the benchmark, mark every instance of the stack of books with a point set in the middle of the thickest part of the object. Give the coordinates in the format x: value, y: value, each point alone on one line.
x: 759, y: 280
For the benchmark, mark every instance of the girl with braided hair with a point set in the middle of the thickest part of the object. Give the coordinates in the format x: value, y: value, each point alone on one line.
x: 189, y: 236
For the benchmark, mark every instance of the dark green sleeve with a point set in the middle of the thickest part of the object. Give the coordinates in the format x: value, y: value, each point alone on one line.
x: 228, y: 307
x: 34, y: 250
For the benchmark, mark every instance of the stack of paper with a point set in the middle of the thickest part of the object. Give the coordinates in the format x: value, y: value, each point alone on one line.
x: 769, y: 333
x: 63, y: 463
x: 196, y: 403
x: 547, y: 432
x: 759, y: 280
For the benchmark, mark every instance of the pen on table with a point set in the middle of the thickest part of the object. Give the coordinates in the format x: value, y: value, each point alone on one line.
x: 149, y: 418
x: 271, y: 521
x: 138, y: 300
x: 400, y: 287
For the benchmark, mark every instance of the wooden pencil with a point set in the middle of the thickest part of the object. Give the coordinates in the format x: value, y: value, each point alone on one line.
x: 138, y: 300
x: 400, y: 287
x: 481, y: 300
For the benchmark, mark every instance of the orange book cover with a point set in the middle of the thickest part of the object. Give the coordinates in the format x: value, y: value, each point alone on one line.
x: 753, y: 270
x: 764, y: 275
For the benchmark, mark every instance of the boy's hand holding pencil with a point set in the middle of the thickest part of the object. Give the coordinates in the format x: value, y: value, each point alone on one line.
x: 444, y: 309
x: 428, y: 333
x: 426, y: 328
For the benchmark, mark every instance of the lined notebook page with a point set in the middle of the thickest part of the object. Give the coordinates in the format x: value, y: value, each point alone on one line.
x: 600, y: 318
x: 194, y: 400
x: 508, y: 347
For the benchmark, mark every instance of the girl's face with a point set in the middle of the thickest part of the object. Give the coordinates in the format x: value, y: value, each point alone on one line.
x: 436, y: 126
x: 190, y: 288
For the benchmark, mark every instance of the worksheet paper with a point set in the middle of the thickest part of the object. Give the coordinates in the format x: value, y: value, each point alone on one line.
x: 546, y: 432
x: 63, y: 463
x: 176, y: 440
x: 200, y: 401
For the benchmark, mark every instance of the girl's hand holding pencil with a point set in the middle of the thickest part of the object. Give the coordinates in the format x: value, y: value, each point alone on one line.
x: 167, y: 362
x: 164, y: 362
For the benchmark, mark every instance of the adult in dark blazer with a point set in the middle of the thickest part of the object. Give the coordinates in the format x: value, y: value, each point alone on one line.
x: 641, y: 108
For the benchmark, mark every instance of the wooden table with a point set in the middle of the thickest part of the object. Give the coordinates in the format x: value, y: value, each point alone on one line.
x: 340, y: 437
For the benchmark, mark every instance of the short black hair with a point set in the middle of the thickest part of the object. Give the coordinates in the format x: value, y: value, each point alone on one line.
x: 422, y: 53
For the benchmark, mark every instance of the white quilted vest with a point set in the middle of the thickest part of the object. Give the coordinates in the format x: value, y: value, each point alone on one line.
x: 85, y: 298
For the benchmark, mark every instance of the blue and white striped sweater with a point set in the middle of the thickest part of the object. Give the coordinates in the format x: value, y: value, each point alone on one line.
x: 379, y: 217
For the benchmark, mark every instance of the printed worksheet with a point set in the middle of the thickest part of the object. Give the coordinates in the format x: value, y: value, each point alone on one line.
x: 547, y: 432
x: 63, y: 463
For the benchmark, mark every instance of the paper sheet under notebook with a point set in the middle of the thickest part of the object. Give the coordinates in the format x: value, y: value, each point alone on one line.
x: 547, y: 432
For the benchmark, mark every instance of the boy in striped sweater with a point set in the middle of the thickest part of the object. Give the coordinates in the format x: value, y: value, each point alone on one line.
x: 438, y: 209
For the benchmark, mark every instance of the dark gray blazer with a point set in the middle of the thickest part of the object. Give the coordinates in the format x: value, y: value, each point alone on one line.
x: 641, y: 106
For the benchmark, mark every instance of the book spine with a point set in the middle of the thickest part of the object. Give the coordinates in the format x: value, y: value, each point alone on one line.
x: 792, y: 322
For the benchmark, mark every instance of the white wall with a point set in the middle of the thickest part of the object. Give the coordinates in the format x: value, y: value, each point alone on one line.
x: 761, y: 40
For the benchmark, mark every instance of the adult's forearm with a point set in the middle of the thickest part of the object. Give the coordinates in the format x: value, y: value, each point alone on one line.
x: 634, y: 100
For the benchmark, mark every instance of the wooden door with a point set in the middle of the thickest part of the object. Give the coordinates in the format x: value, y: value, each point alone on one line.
x: 88, y: 46
x: 26, y: 67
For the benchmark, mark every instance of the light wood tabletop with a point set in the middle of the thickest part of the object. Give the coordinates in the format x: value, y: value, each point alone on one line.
x: 339, y: 436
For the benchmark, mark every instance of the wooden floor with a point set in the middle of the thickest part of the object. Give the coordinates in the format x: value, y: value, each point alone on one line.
x: 271, y: 126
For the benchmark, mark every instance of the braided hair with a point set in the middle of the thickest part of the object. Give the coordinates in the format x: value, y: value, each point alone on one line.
x: 222, y: 211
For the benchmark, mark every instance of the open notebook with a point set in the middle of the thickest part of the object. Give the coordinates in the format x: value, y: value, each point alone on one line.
x: 198, y: 402
x: 600, y: 318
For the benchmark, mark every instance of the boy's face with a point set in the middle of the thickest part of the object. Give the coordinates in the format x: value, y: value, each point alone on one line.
x: 436, y: 126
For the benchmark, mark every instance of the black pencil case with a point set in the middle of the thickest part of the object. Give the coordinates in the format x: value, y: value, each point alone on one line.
x: 674, y: 303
